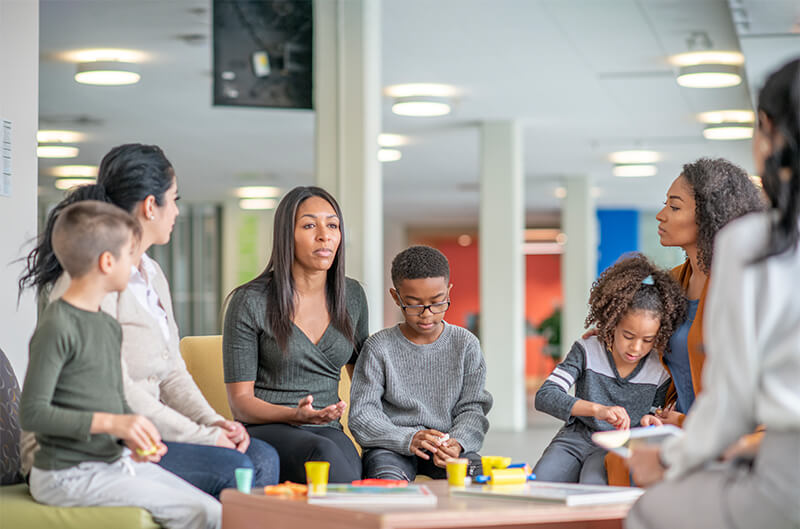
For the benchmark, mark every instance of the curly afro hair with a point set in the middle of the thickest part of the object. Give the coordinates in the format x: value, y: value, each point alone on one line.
x: 722, y: 193
x: 620, y: 289
x: 419, y: 262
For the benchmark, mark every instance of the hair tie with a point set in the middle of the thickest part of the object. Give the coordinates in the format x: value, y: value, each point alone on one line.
x: 648, y: 280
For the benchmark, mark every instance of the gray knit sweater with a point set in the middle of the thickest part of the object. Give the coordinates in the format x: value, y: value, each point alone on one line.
x: 400, y: 387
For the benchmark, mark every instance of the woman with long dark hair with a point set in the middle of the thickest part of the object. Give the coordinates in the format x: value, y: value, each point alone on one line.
x: 752, y: 340
x: 289, y: 331
x: 203, y: 447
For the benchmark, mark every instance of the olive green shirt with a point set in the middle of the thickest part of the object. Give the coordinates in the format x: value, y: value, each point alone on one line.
x: 250, y: 352
x: 74, y: 370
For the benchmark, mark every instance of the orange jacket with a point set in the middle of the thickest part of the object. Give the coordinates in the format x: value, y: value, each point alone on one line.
x: 616, y: 467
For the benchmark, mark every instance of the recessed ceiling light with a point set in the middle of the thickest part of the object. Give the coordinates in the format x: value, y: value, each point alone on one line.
x: 710, y: 76
x: 708, y: 57
x: 104, y: 54
x: 421, y: 89
x: 107, y: 73
x: 257, y: 192
x: 421, y: 106
x: 69, y: 183
x: 56, y: 151
x: 86, y: 171
x: 59, y: 136
x: 634, y: 171
x: 728, y: 131
x: 635, y: 157
x: 560, y: 192
x: 727, y: 116
x: 464, y: 240
x: 392, y: 140
x: 389, y: 155
x: 257, y: 203
x: 756, y: 180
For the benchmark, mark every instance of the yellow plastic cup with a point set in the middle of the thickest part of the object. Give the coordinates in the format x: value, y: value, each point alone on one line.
x: 490, y: 463
x: 457, y: 472
x: 317, y: 477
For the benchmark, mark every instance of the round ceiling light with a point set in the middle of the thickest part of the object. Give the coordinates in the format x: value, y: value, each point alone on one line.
x: 59, y: 136
x: 421, y: 89
x: 68, y: 183
x: 421, y: 106
x: 389, y: 155
x: 56, y: 151
x: 727, y: 116
x: 634, y: 157
x: 392, y: 140
x: 67, y: 171
x: 634, y: 171
x: 710, y: 76
x: 728, y: 131
x: 692, y: 58
x: 107, y: 73
x: 258, y: 203
x: 258, y: 192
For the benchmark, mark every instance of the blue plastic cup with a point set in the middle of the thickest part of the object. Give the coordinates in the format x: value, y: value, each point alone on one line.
x: 244, y: 479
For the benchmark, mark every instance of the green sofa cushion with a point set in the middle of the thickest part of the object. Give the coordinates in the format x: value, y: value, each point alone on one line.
x: 18, y: 509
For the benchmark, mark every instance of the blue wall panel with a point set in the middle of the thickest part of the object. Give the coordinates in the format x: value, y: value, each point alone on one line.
x: 619, y: 234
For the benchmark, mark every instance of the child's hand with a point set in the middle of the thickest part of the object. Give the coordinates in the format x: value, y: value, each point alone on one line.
x: 616, y: 416
x: 152, y: 455
x: 136, y: 430
x: 450, y: 449
x: 429, y: 440
x: 651, y: 420
x: 306, y: 414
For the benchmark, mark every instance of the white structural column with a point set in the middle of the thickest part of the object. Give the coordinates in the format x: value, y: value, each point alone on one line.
x: 502, y: 272
x: 19, y: 104
x: 347, y: 100
x: 579, y: 260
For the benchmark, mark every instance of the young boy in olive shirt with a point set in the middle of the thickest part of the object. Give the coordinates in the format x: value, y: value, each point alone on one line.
x: 72, y: 398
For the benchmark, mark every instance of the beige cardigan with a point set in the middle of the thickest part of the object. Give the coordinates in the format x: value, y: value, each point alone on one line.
x: 157, y: 384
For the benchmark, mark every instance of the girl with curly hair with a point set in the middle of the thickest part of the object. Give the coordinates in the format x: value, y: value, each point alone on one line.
x: 635, y: 308
x: 753, y: 345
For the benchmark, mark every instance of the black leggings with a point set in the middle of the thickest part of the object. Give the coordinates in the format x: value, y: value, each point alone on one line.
x: 298, y: 444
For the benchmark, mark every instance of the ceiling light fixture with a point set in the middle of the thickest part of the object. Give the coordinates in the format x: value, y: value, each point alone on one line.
x: 104, y: 54
x: 257, y: 192
x: 693, y: 58
x: 257, y: 203
x: 389, y: 155
x: 635, y: 170
x: 421, y: 106
x: 421, y: 89
x: 68, y: 183
x: 728, y: 131
x: 710, y: 75
x: 67, y: 171
x: 634, y: 157
x: 56, y: 151
x: 756, y: 180
x: 392, y: 140
x: 560, y: 192
x: 107, y: 73
x: 59, y: 136
x: 727, y: 116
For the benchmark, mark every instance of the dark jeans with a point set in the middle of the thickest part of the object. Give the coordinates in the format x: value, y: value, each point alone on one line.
x: 572, y: 457
x: 387, y: 464
x: 211, y: 468
x: 298, y: 444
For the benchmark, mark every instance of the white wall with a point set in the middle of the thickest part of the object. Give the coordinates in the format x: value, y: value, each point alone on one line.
x: 19, y: 92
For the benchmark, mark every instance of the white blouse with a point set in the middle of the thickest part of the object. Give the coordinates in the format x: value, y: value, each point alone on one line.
x: 141, y: 286
x: 752, y: 340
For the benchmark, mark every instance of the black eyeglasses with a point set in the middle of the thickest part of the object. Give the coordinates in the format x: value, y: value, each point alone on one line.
x: 418, y: 310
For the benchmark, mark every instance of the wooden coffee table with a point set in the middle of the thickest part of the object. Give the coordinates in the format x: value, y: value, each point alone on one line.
x: 256, y: 511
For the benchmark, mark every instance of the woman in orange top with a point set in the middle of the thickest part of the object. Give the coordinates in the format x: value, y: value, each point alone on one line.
x: 707, y: 195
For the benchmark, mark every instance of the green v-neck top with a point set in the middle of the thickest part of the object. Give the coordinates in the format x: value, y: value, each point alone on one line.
x: 250, y: 352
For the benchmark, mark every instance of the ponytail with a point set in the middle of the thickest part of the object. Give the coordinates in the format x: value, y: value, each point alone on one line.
x: 42, y: 269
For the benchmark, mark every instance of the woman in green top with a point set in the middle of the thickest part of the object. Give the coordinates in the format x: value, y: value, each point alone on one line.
x: 287, y: 334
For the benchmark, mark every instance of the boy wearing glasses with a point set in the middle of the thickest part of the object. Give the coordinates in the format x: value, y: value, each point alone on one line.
x: 418, y: 396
